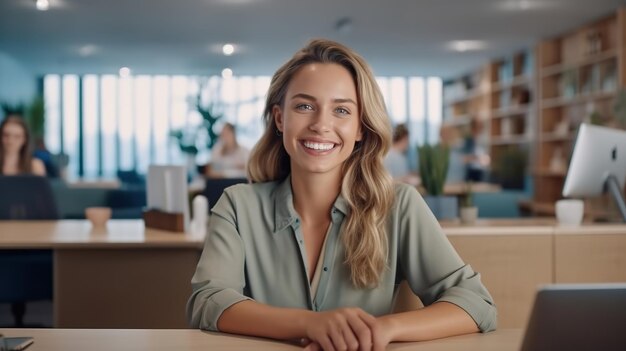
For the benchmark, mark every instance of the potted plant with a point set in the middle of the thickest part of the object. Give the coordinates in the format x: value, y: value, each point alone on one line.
x: 468, y: 212
x: 434, y: 162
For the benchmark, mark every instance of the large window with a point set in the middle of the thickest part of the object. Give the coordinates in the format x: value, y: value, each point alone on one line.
x: 109, y: 123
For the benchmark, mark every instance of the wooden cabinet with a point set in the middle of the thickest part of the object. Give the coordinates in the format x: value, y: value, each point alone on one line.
x: 580, y: 74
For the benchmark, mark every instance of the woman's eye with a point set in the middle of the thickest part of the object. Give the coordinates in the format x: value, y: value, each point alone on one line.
x: 304, y: 107
x: 342, y: 111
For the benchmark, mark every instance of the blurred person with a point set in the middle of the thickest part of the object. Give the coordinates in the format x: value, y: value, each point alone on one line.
x: 396, y: 160
x: 475, y: 156
x: 313, y: 250
x: 15, y: 149
x: 228, y: 158
x: 42, y: 153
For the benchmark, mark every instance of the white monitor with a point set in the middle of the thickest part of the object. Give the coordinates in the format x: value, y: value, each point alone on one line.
x: 598, y: 164
x: 167, y: 190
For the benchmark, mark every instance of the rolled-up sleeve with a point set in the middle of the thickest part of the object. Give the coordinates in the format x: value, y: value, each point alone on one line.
x: 431, y: 265
x: 219, y: 278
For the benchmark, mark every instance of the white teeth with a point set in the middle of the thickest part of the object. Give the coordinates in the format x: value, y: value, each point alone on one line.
x: 318, y: 146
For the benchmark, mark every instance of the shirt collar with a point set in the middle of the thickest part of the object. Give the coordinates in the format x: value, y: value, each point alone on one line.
x: 284, y: 212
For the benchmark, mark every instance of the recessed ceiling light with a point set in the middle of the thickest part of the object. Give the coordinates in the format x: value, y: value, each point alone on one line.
x: 524, y: 5
x: 228, y: 49
x: 227, y: 73
x: 467, y: 45
x: 124, y: 72
x: 42, y: 5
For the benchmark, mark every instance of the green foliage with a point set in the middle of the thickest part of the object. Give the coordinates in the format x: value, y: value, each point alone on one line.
x: 33, y: 114
x: 209, y: 118
x: 620, y: 108
x: 468, y: 199
x: 434, y: 162
x: 509, y: 168
x: 188, y: 139
x: 13, y: 109
x: 35, y: 117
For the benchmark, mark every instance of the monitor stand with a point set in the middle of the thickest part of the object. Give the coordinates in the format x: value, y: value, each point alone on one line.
x: 613, y: 187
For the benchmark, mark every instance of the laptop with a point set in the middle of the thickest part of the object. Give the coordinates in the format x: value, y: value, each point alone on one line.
x: 576, y: 317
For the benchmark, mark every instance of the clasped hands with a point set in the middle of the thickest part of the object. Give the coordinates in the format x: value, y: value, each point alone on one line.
x: 345, y: 329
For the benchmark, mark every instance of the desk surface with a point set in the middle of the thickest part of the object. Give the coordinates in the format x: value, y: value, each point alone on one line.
x: 132, y: 233
x: 81, y: 234
x: 191, y: 340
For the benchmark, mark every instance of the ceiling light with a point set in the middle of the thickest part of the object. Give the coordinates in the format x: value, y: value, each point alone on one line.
x: 467, y: 45
x: 228, y: 49
x: 227, y: 73
x: 42, y: 5
x: 124, y: 72
x: 524, y: 5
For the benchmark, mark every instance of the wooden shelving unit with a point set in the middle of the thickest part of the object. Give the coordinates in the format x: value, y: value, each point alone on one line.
x: 512, y: 118
x: 580, y: 74
x: 499, y: 96
x: 467, y: 98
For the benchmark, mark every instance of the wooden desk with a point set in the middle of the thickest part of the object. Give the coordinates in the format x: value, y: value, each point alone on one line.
x: 460, y: 189
x: 121, y: 276
x: 128, y: 277
x: 513, y: 258
x: 192, y: 340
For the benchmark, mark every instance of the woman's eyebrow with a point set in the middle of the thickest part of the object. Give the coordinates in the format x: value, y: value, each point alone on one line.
x: 304, y: 96
x: 343, y: 101
x: 312, y: 98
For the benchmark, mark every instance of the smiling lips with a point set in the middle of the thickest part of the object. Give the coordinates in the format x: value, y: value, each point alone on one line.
x: 318, y: 147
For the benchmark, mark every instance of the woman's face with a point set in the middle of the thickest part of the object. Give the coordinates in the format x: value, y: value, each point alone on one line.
x: 319, y: 118
x: 13, y: 138
x: 227, y: 137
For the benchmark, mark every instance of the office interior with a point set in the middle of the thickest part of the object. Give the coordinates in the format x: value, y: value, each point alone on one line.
x: 109, y: 88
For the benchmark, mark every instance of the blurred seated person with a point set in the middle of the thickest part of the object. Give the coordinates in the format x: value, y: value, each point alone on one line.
x: 15, y: 149
x: 476, y: 158
x: 228, y: 158
x: 396, y: 161
x: 41, y: 152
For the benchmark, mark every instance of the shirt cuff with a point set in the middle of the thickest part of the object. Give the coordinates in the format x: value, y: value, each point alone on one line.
x: 218, y: 303
x: 483, y: 313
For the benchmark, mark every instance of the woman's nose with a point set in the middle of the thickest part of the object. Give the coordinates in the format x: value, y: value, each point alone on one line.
x: 322, y: 122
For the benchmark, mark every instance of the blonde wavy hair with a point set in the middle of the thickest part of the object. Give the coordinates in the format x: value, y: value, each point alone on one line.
x: 366, y: 186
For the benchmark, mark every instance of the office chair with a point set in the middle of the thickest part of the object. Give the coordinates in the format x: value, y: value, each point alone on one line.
x: 26, y: 275
x: 214, y: 187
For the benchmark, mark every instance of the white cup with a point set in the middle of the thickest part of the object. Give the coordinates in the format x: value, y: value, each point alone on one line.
x: 569, y: 212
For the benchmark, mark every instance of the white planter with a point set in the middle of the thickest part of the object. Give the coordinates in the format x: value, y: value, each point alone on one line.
x: 469, y: 215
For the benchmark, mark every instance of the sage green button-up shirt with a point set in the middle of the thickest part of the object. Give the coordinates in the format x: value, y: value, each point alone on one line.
x: 254, y: 249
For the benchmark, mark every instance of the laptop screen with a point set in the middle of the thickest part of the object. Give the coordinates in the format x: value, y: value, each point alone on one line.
x: 574, y: 317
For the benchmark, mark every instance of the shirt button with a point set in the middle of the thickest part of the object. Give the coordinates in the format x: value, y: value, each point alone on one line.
x: 301, y: 242
x: 325, y: 269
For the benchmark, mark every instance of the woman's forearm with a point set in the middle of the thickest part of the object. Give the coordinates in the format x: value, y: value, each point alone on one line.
x: 436, y: 321
x: 257, y: 319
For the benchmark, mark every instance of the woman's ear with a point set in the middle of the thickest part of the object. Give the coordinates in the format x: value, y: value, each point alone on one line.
x: 359, y: 134
x: 277, y: 112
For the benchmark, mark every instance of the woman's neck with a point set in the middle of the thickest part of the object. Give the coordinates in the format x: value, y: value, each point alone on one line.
x: 11, y: 163
x: 314, y: 195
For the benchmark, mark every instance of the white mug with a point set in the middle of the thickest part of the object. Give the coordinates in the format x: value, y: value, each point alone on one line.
x: 569, y: 212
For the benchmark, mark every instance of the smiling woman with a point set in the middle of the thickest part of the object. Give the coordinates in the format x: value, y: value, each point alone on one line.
x: 315, y: 248
x: 15, y: 149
